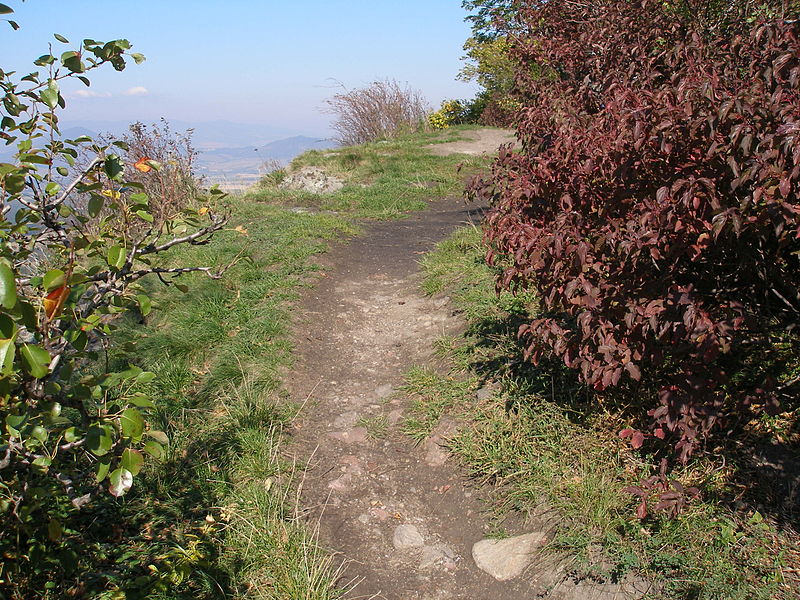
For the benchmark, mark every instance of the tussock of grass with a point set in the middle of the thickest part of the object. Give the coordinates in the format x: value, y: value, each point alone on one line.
x: 542, y: 443
x: 432, y: 395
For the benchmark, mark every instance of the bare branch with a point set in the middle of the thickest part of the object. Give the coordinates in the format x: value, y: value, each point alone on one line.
x: 71, y: 187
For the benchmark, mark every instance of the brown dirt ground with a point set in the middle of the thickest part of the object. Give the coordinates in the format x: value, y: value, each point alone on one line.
x: 359, y: 330
x: 481, y: 141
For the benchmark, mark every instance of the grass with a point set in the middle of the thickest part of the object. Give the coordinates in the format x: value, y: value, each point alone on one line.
x: 217, y: 518
x: 545, y: 443
x: 432, y: 395
x: 383, y: 180
x: 377, y: 426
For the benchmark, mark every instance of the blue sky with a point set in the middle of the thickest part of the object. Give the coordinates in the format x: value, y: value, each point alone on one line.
x: 267, y: 62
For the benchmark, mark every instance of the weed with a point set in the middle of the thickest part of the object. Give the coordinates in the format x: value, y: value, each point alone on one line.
x: 377, y: 426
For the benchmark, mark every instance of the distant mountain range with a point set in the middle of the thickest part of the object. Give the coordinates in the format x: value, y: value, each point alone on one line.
x: 280, y: 151
x: 207, y: 135
x: 233, y: 154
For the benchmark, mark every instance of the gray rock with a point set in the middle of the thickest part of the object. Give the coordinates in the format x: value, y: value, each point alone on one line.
x: 435, y: 455
x: 407, y: 536
x: 313, y: 180
x: 357, y: 435
x: 506, y: 559
x: 438, y: 554
x: 484, y: 393
x: 346, y: 420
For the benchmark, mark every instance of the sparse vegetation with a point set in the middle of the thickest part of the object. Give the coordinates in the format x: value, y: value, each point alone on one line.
x: 382, y: 179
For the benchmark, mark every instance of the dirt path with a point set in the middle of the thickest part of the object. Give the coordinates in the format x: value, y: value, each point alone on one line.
x: 402, y: 517
x: 481, y: 141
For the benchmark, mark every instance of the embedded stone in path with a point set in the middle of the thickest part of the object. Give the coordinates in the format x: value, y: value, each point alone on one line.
x: 357, y: 435
x: 506, y: 559
x: 407, y: 536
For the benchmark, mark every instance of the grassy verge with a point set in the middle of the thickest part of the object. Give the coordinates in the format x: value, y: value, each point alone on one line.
x: 382, y: 180
x: 217, y: 517
x: 544, y: 441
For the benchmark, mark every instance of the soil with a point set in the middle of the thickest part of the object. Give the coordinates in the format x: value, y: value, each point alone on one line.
x: 480, y: 141
x: 360, y: 329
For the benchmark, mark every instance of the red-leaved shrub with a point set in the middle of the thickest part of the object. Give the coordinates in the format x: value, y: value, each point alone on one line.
x: 654, y: 204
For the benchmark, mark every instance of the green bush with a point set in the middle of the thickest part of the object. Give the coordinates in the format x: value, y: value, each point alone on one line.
x: 71, y: 428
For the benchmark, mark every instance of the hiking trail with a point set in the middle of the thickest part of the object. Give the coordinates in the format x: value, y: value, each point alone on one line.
x: 401, y: 517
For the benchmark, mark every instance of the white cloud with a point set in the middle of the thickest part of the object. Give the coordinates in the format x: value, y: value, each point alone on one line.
x: 137, y: 91
x: 90, y: 94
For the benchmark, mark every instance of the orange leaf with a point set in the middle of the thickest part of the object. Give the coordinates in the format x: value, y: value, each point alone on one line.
x: 141, y: 165
x: 54, y: 301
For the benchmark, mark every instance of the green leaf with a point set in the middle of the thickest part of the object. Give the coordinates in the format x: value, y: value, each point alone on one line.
x: 5, y: 10
x: 72, y: 61
x: 159, y: 436
x: 7, y: 351
x: 154, y: 449
x: 132, y: 423
x: 14, y: 423
x: 103, y: 467
x: 132, y: 460
x: 40, y: 433
x: 36, y: 360
x: 54, y: 530
x: 144, y: 215
x: 53, y: 279
x: 80, y: 341
x: 8, y: 287
x: 61, y: 38
x: 120, y: 482
x: 141, y: 401
x: 27, y: 313
x: 137, y: 58
x: 145, y: 377
x: 113, y: 166
x: 62, y: 171
x: 71, y: 435
x: 98, y: 440
x: 96, y: 202
x: 14, y: 183
x: 145, y: 305
x: 8, y: 332
x: 42, y: 461
x: 50, y: 97
x: 116, y: 256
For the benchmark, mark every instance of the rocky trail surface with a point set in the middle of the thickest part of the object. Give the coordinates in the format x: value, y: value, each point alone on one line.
x: 402, y: 518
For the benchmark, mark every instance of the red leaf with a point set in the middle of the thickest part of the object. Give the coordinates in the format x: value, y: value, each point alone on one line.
x: 641, y: 512
x: 637, y: 440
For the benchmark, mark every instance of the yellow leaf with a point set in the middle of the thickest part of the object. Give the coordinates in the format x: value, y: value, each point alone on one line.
x: 203, y: 211
x: 142, y: 166
x: 111, y: 194
x: 240, y: 229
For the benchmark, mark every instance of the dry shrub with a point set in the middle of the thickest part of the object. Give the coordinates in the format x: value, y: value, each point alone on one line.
x: 382, y: 110
x: 175, y: 184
